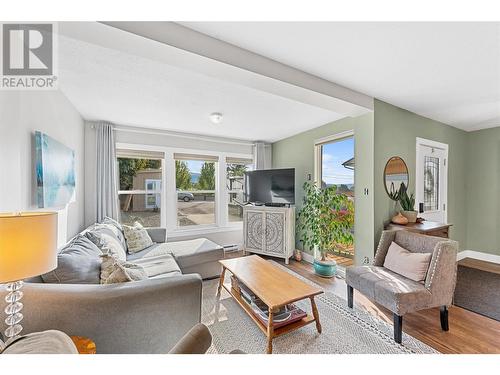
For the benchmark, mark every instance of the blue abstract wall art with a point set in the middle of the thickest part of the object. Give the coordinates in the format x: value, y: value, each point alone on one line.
x: 55, y: 172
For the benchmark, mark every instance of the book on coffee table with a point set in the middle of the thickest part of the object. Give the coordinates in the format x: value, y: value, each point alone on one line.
x: 287, y: 314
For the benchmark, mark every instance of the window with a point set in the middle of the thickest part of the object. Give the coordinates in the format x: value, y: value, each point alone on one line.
x: 140, y: 187
x: 336, y: 164
x: 180, y: 189
x: 431, y: 183
x: 235, y: 174
x: 195, y: 177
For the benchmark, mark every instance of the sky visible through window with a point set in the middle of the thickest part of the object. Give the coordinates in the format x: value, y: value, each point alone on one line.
x: 334, y: 154
x: 195, y: 165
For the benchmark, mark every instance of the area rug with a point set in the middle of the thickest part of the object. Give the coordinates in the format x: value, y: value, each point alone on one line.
x: 345, y: 330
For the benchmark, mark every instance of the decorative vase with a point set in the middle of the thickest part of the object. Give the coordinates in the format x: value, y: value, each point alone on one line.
x: 399, y: 219
x: 297, y: 254
x: 410, y: 215
x: 325, y: 268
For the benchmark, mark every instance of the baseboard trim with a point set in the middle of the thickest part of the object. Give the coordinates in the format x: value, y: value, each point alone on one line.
x: 307, y: 257
x: 478, y: 255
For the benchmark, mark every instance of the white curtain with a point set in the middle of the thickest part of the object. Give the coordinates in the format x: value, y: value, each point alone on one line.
x: 263, y: 155
x: 106, y: 189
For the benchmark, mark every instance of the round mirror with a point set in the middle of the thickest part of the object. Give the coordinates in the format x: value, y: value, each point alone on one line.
x: 395, y: 175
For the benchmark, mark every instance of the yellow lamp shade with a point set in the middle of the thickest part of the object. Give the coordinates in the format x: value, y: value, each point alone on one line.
x: 28, y: 244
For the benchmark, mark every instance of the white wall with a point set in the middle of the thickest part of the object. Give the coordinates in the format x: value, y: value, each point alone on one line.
x: 21, y: 114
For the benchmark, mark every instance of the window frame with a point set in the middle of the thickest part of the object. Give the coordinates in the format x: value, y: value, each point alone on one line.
x: 169, y: 191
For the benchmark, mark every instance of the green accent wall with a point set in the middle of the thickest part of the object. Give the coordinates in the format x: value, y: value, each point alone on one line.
x: 396, y: 131
x: 473, y: 173
x: 483, y: 190
x: 298, y: 152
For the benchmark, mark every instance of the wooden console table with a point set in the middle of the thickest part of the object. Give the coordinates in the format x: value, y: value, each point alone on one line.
x: 429, y: 228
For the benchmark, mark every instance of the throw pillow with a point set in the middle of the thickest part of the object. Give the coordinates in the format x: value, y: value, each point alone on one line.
x: 77, y: 263
x: 111, y: 221
x: 104, y: 237
x: 137, y: 238
x: 116, y: 228
x: 113, y: 270
x: 414, y: 266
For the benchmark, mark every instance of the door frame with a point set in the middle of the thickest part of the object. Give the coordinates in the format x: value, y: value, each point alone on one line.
x: 419, y: 193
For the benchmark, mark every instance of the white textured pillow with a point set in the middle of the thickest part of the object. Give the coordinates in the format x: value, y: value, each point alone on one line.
x: 137, y: 238
x: 114, y: 270
x: 414, y: 266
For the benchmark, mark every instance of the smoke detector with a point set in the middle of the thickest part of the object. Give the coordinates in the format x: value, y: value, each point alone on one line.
x: 216, y: 117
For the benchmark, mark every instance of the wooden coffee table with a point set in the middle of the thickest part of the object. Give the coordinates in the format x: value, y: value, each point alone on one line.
x: 275, y: 287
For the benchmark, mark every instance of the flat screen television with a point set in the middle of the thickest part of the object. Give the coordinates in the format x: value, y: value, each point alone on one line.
x: 270, y: 186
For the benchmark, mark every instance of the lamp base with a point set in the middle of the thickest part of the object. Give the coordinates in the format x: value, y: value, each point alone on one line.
x: 13, y: 311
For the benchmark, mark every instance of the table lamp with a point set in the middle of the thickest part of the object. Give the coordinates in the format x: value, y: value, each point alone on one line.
x: 28, y: 247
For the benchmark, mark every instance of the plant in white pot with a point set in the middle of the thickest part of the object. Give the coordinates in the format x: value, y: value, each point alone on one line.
x: 407, y: 203
x: 325, y: 221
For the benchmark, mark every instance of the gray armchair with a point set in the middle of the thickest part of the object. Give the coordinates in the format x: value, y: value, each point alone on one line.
x: 148, y: 316
x: 400, y: 294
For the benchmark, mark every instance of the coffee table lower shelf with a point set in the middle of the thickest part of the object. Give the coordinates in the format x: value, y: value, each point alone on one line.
x: 275, y: 332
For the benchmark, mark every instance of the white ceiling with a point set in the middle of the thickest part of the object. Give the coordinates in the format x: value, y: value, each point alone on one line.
x: 449, y: 72
x: 127, y: 89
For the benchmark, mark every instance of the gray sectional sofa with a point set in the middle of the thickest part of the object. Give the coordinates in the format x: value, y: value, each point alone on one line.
x: 147, y: 316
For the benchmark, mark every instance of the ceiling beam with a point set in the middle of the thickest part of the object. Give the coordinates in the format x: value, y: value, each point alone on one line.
x: 213, y: 57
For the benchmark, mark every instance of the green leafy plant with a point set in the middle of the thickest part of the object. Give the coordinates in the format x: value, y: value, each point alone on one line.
x: 326, y: 219
x: 407, y: 202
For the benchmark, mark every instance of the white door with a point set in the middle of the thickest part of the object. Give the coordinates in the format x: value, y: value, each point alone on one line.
x: 431, y: 185
x: 152, y: 198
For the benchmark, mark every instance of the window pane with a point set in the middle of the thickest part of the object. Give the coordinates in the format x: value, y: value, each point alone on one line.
x: 143, y: 208
x: 337, y: 166
x: 142, y: 177
x: 195, y: 182
x: 431, y: 183
x: 234, y: 185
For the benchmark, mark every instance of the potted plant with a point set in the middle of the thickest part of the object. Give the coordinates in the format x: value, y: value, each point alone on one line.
x: 325, y: 222
x: 407, y: 203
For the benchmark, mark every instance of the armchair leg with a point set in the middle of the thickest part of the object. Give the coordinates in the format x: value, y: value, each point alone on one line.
x: 350, y: 294
x: 398, y: 328
x: 444, y: 318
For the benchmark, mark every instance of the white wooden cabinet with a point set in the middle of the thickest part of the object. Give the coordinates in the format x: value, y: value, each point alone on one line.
x: 269, y: 231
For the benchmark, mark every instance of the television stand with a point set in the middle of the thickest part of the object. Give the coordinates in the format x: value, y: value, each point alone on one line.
x: 269, y: 231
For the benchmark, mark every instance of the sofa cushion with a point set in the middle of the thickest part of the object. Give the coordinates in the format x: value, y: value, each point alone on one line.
x: 156, y: 249
x: 113, y: 270
x: 192, y: 252
x: 411, y: 265
x: 45, y: 342
x: 137, y: 238
x: 106, y: 237
x: 397, y: 293
x: 77, y: 263
x: 159, y: 266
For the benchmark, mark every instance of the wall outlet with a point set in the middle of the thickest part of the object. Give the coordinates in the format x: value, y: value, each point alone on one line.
x: 366, y: 260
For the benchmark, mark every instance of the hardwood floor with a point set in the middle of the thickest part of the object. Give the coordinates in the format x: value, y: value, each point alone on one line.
x: 469, y: 332
x: 341, y: 261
